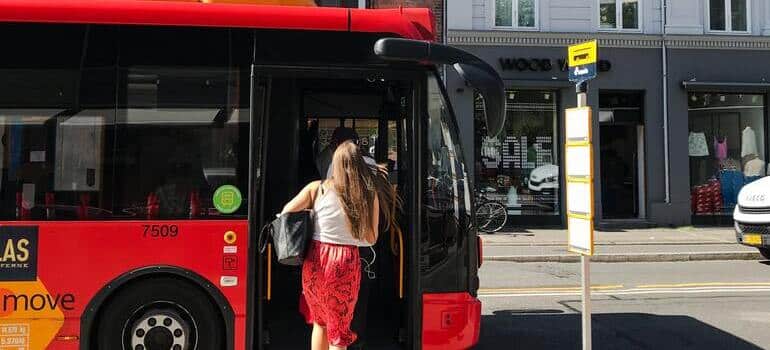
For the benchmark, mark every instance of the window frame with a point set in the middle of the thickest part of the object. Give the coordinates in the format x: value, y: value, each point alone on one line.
x: 619, y: 18
x: 728, y: 19
x: 515, y: 17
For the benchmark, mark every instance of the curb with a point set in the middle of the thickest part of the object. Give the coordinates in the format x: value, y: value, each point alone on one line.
x: 641, y: 257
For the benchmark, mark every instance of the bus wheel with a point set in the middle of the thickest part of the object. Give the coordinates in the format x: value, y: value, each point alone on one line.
x: 160, y: 313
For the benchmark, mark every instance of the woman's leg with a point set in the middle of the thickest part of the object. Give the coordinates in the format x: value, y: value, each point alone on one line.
x: 319, y: 341
x: 343, y: 283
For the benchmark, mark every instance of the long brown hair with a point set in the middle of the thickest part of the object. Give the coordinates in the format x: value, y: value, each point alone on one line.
x: 356, y: 183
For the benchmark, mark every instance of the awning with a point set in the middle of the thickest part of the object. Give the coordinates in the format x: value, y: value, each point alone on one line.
x: 725, y: 86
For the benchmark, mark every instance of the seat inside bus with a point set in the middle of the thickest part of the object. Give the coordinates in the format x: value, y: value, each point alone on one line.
x: 301, y: 114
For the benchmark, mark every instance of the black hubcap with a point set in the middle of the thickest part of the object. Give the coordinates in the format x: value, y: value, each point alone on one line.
x: 158, y: 338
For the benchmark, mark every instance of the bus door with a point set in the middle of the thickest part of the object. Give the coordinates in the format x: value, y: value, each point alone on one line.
x: 447, y: 244
x: 300, y: 110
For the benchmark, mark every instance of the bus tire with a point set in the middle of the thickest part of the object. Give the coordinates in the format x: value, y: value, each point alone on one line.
x: 160, y: 313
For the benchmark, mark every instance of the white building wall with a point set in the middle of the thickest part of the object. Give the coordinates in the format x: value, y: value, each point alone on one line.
x: 481, y: 13
x: 683, y: 17
x: 460, y: 14
x: 569, y: 15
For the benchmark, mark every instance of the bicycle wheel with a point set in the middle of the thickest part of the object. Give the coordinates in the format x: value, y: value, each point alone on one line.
x: 491, y: 217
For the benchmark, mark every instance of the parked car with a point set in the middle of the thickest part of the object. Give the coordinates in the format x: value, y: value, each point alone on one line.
x: 752, y: 216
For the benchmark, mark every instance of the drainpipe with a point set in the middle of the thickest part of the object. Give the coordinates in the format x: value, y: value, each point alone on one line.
x: 664, y: 59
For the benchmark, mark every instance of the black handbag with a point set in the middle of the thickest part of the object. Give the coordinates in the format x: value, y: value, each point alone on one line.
x: 291, y: 234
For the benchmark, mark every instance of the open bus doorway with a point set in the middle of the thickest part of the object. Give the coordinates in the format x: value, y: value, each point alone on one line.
x: 301, y: 112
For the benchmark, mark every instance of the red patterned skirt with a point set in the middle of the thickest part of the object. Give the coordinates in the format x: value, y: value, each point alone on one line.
x: 331, y: 277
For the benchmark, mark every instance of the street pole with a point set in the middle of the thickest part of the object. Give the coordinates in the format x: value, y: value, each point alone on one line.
x: 582, y: 101
x: 586, y: 267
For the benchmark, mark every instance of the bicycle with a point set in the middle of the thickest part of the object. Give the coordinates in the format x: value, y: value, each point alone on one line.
x: 491, y: 216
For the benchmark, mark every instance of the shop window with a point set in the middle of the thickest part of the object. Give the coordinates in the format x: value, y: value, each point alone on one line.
x: 728, y: 15
x: 619, y: 14
x: 521, y: 14
x: 727, y: 148
x: 519, y: 168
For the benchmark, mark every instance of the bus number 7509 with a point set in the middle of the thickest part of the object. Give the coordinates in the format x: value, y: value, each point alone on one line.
x: 160, y: 230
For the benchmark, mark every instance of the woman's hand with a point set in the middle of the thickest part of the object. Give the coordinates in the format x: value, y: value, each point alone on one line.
x: 303, y: 200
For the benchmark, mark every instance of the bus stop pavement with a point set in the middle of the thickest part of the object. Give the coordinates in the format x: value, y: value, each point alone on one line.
x: 619, y: 245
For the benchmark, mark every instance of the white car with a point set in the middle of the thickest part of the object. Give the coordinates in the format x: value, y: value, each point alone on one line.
x: 752, y: 216
x: 544, y: 177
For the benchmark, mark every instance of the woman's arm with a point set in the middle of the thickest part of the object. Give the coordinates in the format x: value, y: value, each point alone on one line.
x: 303, y: 200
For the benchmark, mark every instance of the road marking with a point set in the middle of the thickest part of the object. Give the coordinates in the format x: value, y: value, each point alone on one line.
x: 706, y: 284
x: 637, y: 290
x: 546, y: 289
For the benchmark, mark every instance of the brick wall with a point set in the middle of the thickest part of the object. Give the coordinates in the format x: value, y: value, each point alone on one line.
x: 436, y: 5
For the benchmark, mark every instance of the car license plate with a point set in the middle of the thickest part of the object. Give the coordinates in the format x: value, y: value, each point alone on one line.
x: 752, y: 239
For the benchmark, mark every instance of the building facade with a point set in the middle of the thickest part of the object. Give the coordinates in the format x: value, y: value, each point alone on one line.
x: 680, y: 106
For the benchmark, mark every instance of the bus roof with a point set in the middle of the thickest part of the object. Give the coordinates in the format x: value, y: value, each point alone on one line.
x: 411, y: 23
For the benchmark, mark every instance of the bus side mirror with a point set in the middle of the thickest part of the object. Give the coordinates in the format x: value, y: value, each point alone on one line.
x: 474, y: 70
x: 493, y: 95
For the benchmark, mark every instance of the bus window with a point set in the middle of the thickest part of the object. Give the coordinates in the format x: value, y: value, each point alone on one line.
x: 445, y: 197
x: 180, y: 136
x: 84, y: 137
x: 41, y: 109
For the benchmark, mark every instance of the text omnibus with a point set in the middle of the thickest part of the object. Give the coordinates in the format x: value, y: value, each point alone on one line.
x: 144, y: 144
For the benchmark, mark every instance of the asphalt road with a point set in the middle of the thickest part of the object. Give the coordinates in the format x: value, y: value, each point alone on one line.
x: 677, y: 305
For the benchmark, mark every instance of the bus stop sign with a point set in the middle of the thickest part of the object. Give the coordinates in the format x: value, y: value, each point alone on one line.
x: 582, y: 61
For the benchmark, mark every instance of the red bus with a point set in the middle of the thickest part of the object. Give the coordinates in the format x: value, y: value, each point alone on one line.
x: 144, y: 144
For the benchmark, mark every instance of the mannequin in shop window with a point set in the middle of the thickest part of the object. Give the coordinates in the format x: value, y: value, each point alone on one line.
x: 697, y: 146
x: 753, y: 168
x: 732, y: 180
x: 748, y: 142
x: 720, y: 147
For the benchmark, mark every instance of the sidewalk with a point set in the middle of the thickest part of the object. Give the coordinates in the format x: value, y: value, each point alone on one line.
x: 636, y: 245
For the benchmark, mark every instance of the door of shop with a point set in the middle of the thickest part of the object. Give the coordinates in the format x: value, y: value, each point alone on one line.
x: 621, y: 137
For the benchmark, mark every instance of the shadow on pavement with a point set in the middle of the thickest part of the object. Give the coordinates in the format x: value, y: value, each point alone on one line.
x: 538, y: 330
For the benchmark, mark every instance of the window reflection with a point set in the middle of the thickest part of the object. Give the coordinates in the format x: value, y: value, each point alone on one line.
x: 446, y: 198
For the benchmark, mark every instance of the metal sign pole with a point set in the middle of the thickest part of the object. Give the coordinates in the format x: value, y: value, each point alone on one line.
x: 586, y: 267
x: 582, y: 101
x: 579, y: 161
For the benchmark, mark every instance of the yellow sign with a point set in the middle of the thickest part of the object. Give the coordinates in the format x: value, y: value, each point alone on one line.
x: 582, y: 54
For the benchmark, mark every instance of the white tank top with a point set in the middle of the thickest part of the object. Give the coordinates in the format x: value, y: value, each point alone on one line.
x: 331, y: 223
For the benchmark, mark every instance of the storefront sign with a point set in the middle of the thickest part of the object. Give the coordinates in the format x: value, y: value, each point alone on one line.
x: 544, y: 64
